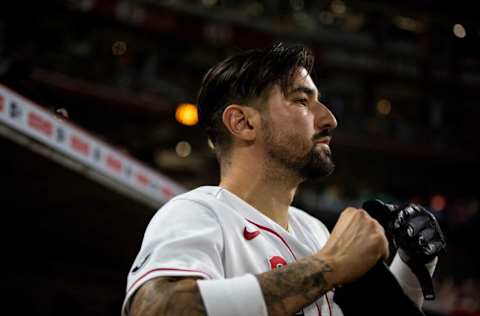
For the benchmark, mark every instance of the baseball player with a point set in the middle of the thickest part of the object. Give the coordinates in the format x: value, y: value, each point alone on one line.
x: 240, y: 248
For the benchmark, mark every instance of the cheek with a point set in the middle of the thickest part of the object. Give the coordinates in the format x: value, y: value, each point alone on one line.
x: 293, y: 130
x: 298, y: 137
x: 295, y: 116
x: 303, y: 127
x: 304, y: 121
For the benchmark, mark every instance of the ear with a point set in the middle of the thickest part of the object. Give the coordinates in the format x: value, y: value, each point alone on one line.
x: 241, y: 121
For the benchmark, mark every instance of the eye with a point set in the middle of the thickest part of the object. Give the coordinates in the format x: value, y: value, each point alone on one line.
x: 302, y: 101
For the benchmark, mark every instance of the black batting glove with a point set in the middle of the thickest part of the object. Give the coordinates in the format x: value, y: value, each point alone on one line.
x: 416, y: 234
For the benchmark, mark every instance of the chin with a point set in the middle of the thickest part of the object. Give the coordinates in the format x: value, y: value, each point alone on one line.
x: 318, y: 168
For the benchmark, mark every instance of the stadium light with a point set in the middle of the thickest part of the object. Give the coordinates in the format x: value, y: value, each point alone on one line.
x: 187, y: 114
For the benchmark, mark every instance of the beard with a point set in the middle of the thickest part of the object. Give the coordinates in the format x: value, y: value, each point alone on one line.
x: 297, y: 154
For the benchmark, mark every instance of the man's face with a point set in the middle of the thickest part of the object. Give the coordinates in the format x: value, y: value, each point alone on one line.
x: 296, y: 129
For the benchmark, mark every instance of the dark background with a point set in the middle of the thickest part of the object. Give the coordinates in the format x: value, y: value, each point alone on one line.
x: 120, y: 68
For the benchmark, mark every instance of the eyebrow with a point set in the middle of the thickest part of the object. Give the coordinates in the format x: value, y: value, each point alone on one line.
x: 309, y: 91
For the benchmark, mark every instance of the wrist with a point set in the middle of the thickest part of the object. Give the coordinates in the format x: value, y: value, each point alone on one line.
x: 328, y: 264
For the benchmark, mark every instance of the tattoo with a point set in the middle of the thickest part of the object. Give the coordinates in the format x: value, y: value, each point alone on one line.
x: 288, y: 289
x: 168, y: 296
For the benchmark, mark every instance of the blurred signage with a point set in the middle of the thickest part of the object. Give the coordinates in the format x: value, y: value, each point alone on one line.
x: 35, y: 122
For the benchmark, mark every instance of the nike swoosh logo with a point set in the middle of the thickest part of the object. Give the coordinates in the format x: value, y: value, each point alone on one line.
x: 250, y: 235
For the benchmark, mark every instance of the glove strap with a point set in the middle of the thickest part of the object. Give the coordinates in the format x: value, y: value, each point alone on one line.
x: 423, y: 276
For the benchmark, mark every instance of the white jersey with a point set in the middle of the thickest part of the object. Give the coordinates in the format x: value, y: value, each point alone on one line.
x: 213, y: 234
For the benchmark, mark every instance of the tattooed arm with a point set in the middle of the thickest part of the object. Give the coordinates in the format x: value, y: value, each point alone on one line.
x: 357, y: 242
x: 168, y: 296
x: 288, y: 289
x: 300, y: 283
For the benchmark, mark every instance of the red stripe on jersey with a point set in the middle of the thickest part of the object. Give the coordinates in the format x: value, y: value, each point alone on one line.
x: 328, y: 303
x: 271, y: 231
x: 318, y: 309
x: 165, y: 269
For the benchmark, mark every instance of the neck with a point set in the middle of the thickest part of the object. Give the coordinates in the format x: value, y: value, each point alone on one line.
x: 267, y: 188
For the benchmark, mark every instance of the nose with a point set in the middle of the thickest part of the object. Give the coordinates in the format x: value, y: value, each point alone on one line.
x: 324, y: 118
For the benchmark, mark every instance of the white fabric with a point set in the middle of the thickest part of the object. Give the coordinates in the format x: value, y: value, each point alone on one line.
x: 201, y: 234
x: 408, y: 281
x: 234, y: 296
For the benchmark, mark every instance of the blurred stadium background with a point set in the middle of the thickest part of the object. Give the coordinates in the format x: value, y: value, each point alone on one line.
x: 98, y: 128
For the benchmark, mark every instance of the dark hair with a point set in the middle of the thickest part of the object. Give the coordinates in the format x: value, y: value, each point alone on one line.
x: 241, y: 79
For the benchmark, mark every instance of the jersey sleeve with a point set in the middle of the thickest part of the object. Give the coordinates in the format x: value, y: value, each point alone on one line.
x: 184, y: 239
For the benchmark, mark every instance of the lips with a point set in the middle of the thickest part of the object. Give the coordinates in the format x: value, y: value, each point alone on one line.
x: 323, y: 140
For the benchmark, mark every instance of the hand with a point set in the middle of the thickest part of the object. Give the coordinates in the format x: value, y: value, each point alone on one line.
x: 417, y: 234
x: 357, y: 242
x: 414, y: 230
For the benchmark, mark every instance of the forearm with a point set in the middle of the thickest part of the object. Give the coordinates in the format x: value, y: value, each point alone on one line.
x: 288, y: 289
x: 285, y: 291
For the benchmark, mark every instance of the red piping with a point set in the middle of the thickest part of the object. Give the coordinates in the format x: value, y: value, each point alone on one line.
x: 271, y: 231
x: 328, y: 303
x: 318, y: 309
x: 165, y: 269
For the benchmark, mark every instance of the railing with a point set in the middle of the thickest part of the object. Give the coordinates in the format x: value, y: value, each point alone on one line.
x: 72, y: 145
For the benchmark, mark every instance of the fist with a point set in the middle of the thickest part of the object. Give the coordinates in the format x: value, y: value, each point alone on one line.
x: 356, y: 243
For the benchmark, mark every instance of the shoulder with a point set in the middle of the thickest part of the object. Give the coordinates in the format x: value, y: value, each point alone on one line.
x: 204, y: 195
x: 189, y: 214
x: 191, y: 209
x: 199, y: 200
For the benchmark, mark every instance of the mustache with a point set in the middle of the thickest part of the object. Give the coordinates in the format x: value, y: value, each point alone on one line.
x: 323, y: 133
